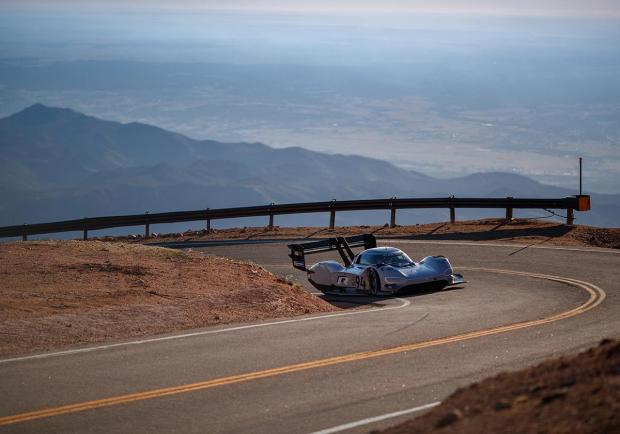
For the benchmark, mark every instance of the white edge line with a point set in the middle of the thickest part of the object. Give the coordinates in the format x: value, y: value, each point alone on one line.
x: 405, y: 303
x: 370, y: 420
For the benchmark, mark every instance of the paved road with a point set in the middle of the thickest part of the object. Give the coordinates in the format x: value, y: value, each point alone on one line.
x: 313, y: 373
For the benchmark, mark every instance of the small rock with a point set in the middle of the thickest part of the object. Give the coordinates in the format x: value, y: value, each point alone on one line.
x: 550, y: 397
x: 502, y: 404
x: 568, y: 382
x: 520, y: 399
x: 449, y: 418
x: 535, y: 388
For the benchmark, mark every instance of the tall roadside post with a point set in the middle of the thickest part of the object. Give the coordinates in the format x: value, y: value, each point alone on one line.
x: 580, y: 176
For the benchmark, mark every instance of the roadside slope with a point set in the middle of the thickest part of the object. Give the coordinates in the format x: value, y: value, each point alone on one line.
x: 574, y: 394
x: 55, y: 294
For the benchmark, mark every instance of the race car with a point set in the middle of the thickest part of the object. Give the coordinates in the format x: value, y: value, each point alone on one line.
x: 374, y: 271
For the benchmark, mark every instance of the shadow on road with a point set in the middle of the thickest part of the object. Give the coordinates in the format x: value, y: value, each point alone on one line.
x: 355, y: 301
x: 499, y: 232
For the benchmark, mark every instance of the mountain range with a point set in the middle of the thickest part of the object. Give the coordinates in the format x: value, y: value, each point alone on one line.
x: 56, y: 163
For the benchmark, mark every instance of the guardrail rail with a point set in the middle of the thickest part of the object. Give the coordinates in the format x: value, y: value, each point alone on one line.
x: 570, y: 204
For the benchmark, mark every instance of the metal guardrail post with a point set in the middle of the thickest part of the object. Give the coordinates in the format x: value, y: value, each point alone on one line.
x: 147, y: 227
x: 332, y: 216
x: 85, y: 226
x: 270, y: 227
x: 509, y: 211
x: 570, y: 216
x: 452, y: 211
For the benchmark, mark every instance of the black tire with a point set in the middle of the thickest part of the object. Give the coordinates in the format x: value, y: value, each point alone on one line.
x: 374, y: 282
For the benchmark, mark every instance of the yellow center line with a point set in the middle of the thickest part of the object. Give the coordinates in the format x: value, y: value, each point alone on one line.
x: 597, y: 295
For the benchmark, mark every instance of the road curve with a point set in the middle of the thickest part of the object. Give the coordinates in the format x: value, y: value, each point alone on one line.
x: 313, y: 374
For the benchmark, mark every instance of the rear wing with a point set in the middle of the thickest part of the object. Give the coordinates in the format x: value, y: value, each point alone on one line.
x: 341, y: 244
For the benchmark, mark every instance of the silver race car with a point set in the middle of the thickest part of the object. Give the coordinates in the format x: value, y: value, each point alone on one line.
x: 374, y: 271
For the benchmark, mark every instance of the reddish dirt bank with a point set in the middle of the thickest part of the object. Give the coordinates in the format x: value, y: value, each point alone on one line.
x: 60, y: 293
x: 576, y: 395
x: 520, y: 231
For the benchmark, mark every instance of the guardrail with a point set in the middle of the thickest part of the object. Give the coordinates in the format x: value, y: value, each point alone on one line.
x: 571, y: 203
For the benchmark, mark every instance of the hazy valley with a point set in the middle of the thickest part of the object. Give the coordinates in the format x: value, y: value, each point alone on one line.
x: 60, y: 164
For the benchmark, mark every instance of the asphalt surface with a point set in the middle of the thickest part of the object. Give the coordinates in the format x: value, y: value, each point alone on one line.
x: 375, y: 357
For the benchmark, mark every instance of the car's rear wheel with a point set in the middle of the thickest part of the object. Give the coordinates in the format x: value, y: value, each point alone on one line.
x: 374, y: 282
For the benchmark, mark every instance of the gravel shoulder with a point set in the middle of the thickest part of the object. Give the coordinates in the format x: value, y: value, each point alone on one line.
x: 56, y: 294
x: 518, y: 231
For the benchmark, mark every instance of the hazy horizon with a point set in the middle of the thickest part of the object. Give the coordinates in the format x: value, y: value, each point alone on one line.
x: 441, y: 93
x: 547, y: 8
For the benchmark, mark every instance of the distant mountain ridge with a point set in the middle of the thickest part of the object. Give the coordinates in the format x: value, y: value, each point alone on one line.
x: 56, y: 163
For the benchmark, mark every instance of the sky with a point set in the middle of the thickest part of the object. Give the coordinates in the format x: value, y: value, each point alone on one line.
x: 572, y: 8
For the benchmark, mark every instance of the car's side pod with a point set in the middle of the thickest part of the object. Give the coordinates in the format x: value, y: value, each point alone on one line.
x: 343, y: 245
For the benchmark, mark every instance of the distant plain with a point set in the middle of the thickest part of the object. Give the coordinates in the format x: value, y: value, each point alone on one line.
x: 442, y: 95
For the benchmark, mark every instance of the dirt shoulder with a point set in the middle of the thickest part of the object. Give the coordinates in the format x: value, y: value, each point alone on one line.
x: 55, y: 294
x: 518, y: 231
x: 576, y: 394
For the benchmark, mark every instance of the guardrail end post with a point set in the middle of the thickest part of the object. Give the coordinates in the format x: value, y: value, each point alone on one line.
x: 393, y: 217
x: 570, y: 216
x: 452, y: 216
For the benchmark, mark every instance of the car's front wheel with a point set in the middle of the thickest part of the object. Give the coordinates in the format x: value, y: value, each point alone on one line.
x: 374, y: 282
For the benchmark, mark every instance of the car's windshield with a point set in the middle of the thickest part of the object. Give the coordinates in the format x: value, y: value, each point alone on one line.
x: 398, y: 259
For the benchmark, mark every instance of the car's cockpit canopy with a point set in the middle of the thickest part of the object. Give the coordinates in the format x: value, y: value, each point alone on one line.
x: 384, y: 256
